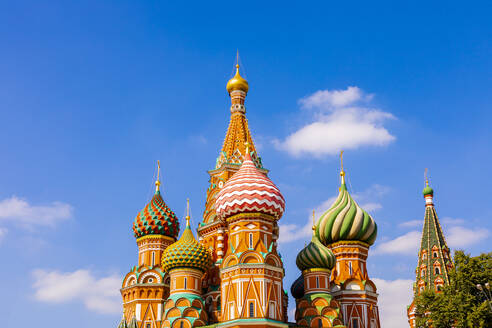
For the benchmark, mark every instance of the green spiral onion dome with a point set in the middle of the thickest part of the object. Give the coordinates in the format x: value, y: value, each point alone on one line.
x: 315, y: 255
x: 346, y: 220
x: 187, y: 252
x: 297, y: 288
x: 156, y: 219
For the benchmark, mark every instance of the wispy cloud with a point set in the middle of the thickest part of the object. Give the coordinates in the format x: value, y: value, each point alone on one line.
x: 3, y: 232
x: 97, y: 294
x: 18, y: 210
x: 394, y: 297
x: 341, y: 120
x: 456, y: 236
x: 411, y: 224
x: 406, y: 244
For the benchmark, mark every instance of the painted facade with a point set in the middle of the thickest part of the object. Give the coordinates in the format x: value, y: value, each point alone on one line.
x: 434, y: 258
x: 232, y: 276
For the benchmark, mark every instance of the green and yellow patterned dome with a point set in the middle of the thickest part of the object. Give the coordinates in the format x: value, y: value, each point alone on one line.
x: 346, y: 220
x: 187, y: 252
x: 315, y: 256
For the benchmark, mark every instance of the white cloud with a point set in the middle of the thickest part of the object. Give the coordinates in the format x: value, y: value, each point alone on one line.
x: 339, y: 123
x: 99, y: 295
x: 411, y: 224
x: 327, y: 99
x: 408, y: 244
x: 20, y: 211
x: 292, y: 232
x: 457, y: 237
x: 394, y: 297
x: 371, y: 207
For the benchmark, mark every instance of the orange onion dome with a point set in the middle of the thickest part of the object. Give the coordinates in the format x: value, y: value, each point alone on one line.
x: 249, y: 190
x: 156, y: 218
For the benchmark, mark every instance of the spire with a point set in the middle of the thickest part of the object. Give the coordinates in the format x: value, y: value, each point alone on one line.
x: 157, y: 182
x: 314, y: 224
x: 434, y: 256
x: 187, y: 212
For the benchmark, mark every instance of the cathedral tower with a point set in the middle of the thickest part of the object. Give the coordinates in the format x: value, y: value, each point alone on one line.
x: 315, y: 306
x: 186, y: 261
x: 146, y: 286
x: 213, y: 232
x: 251, y: 272
x: 349, y: 231
x: 434, y: 262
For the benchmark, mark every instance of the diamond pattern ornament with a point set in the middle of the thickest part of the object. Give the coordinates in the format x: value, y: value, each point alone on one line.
x: 156, y: 218
x: 187, y: 252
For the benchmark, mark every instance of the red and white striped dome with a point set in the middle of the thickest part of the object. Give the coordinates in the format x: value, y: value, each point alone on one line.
x: 249, y: 190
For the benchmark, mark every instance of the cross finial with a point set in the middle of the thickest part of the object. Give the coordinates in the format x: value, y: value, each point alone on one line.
x: 157, y: 182
x: 314, y: 225
x: 426, y: 177
x: 187, y: 211
x: 342, y: 172
x: 237, y: 58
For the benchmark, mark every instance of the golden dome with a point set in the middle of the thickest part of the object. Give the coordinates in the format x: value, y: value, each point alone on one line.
x: 237, y: 82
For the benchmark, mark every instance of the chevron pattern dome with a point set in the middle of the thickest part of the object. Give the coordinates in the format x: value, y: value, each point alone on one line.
x: 156, y: 219
x: 187, y: 252
x: 346, y: 220
x: 315, y: 256
x: 249, y: 190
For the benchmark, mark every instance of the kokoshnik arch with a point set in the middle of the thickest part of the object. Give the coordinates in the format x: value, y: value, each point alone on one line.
x: 232, y: 276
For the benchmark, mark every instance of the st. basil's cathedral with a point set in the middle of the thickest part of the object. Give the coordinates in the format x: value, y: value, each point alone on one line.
x: 232, y: 275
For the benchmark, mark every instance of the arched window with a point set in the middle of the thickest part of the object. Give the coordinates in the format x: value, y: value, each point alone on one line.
x: 250, y: 240
x: 437, y: 270
x: 422, y: 273
x: 435, y: 254
x: 317, y: 282
x: 153, y: 258
x: 185, y: 283
x: 251, y: 309
x: 350, y: 268
x: 320, y: 323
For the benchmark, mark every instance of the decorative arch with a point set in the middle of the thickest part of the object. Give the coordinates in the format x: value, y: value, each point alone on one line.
x: 183, y: 302
x: 250, y: 257
x: 230, y: 260
x: 273, y: 260
x: 130, y: 280
x: 144, y: 278
x: 353, y: 284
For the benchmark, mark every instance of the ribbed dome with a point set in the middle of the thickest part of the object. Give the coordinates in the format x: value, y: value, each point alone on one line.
x: 156, y: 219
x: 249, y: 190
x: 237, y: 83
x: 345, y: 220
x: 315, y: 256
x: 187, y: 252
x: 297, y: 288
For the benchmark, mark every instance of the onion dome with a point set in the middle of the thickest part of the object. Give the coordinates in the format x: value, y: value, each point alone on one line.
x: 187, y: 252
x: 315, y: 256
x: 249, y: 190
x: 427, y: 190
x: 297, y: 288
x: 237, y: 83
x: 346, y: 220
x: 156, y: 218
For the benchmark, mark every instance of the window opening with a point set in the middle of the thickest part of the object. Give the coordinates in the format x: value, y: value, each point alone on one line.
x: 250, y: 240
x: 251, y: 309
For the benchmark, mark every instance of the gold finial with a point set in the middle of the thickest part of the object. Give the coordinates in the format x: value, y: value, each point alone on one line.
x: 157, y: 182
x: 342, y: 172
x: 187, y: 212
x: 314, y: 225
x: 237, y: 82
x: 426, y: 177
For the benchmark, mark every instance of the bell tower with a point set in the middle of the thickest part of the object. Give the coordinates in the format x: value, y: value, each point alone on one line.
x: 213, y: 231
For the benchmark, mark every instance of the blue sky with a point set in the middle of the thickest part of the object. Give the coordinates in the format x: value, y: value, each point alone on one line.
x: 93, y: 93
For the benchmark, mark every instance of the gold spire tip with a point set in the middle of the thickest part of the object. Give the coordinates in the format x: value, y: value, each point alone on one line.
x: 342, y: 172
x: 157, y: 182
x: 314, y: 225
x: 187, y: 212
x: 426, y: 177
